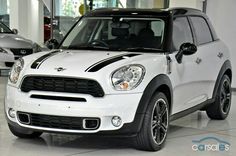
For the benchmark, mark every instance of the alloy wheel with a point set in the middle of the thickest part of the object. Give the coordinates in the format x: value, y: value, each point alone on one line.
x: 159, y: 121
x: 225, y: 97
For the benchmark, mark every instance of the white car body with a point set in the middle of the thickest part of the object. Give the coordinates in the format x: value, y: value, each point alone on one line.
x: 192, y: 82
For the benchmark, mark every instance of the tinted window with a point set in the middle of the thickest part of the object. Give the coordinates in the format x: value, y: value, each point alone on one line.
x: 4, y: 29
x: 202, y: 30
x: 117, y: 34
x: 181, y: 32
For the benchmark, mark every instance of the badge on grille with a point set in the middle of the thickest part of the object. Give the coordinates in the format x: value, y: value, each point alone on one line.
x: 23, y: 52
x: 60, y: 69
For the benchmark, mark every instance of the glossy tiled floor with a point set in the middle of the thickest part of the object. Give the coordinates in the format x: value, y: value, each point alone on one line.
x: 179, y: 143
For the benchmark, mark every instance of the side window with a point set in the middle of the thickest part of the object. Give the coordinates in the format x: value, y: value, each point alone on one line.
x: 181, y: 32
x: 202, y: 30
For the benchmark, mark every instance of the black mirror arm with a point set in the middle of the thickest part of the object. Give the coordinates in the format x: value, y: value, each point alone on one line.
x: 179, y: 56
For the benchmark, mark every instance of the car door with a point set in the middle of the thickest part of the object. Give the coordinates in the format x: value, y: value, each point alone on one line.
x: 209, y: 51
x: 188, y: 85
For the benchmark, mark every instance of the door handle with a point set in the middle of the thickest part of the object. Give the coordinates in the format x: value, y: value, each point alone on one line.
x: 198, y: 61
x: 220, y: 55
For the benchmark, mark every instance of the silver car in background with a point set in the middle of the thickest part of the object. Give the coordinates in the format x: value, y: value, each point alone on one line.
x: 13, y: 46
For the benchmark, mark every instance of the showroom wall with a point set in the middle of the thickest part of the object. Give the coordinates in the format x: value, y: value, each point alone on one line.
x: 27, y: 17
x: 187, y: 3
x: 225, y: 24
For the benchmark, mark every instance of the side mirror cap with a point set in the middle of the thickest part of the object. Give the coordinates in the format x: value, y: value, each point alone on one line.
x: 52, y: 44
x: 15, y: 31
x: 188, y: 48
x: 185, y: 49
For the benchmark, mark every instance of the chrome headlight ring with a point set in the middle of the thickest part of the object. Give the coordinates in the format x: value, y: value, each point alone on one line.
x: 127, y: 77
x: 16, y: 70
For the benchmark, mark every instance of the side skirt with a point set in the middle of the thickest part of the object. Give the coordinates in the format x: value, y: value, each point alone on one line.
x: 201, y: 106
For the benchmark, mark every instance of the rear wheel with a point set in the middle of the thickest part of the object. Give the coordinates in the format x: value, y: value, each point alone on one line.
x: 219, y: 110
x: 155, y: 124
x: 23, y: 133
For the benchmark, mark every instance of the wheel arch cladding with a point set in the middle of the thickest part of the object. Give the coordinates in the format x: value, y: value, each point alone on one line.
x: 160, y: 83
x: 226, y: 69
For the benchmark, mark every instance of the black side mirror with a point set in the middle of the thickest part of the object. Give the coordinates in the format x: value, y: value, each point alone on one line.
x: 185, y: 49
x: 52, y: 44
x: 15, y: 31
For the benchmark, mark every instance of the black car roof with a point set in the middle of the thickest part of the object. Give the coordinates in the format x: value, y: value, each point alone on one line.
x: 144, y: 12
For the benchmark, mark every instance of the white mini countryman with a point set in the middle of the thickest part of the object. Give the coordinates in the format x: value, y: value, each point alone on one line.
x: 122, y: 72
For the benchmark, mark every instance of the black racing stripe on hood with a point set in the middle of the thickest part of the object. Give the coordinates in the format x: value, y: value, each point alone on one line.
x: 36, y: 64
x: 99, y: 65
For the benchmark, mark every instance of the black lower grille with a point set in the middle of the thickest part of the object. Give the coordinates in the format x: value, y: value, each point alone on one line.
x: 58, y: 122
x: 22, y: 52
x: 9, y: 64
x: 60, y: 84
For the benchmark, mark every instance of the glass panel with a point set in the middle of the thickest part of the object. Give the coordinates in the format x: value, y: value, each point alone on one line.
x: 4, y: 12
x: 4, y: 29
x: 202, y: 30
x: 181, y: 32
x: 123, y: 34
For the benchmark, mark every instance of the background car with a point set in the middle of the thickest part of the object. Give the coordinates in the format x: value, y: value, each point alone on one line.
x: 13, y: 46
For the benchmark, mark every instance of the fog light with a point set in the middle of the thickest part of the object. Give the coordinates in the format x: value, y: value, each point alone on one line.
x: 12, y: 113
x: 116, y: 121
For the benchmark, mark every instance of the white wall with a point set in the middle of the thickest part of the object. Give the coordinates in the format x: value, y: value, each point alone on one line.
x: 3, y: 7
x: 27, y: 17
x: 187, y: 3
x: 222, y: 15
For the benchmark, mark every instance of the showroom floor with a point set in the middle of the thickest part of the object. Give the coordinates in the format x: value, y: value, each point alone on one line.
x: 179, y: 142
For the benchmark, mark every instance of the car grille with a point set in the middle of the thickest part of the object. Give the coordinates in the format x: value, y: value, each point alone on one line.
x: 22, y: 52
x: 58, y: 122
x: 60, y: 84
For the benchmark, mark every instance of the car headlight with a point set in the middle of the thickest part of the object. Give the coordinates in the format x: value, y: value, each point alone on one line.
x: 15, y: 71
x: 3, y: 51
x: 127, y: 77
x: 36, y: 48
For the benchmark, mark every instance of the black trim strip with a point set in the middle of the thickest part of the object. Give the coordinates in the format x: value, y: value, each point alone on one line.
x: 191, y: 110
x: 99, y: 65
x: 40, y: 60
x: 60, y: 98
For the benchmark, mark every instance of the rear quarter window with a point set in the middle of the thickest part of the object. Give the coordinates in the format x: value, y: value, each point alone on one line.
x: 202, y: 30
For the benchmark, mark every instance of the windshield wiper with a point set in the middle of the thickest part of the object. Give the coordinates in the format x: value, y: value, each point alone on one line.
x: 142, y: 49
x: 88, y: 47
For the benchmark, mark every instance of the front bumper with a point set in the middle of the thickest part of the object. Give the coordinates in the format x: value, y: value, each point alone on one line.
x: 122, y: 105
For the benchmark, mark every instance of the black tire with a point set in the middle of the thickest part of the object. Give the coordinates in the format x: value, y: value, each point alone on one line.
x: 153, y: 133
x: 219, y: 110
x: 23, y: 133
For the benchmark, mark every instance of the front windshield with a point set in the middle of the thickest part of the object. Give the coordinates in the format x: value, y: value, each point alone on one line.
x: 4, y: 29
x: 116, y: 34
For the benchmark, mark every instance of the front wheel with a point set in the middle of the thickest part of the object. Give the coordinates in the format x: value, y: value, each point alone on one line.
x: 155, y: 124
x: 219, y: 110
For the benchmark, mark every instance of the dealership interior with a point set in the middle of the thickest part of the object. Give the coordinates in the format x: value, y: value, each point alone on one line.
x: 40, y: 21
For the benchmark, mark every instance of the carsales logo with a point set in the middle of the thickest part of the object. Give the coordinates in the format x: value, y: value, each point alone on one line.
x: 210, y: 144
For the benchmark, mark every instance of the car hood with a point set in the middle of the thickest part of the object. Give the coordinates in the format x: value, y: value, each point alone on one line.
x: 14, y: 41
x: 80, y: 61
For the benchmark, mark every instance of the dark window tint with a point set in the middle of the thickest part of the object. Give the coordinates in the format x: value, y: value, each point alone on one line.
x: 4, y: 28
x: 202, y: 30
x: 181, y: 32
